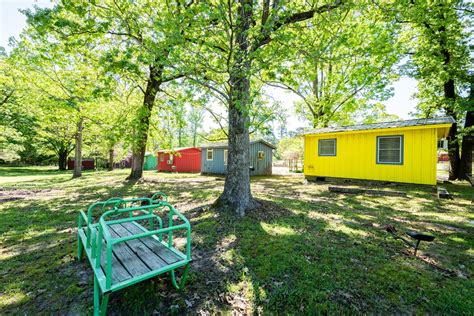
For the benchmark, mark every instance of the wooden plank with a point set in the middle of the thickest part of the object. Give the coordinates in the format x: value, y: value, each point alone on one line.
x: 164, y: 253
x: 129, y: 259
x: 152, y: 260
x: 119, y: 273
x: 366, y: 191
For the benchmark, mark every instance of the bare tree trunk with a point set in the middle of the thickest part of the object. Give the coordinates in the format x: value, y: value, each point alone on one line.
x: 465, y: 170
x: 62, y: 159
x: 139, y: 148
x: 453, y: 142
x: 111, y: 159
x: 78, y: 150
x: 450, y: 99
x: 236, y: 195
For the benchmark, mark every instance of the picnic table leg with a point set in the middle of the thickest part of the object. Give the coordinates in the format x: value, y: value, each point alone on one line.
x: 180, y: 286
x: 100, y: 308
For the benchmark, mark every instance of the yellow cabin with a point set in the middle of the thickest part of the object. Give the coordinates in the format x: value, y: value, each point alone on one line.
x: 401, y: 151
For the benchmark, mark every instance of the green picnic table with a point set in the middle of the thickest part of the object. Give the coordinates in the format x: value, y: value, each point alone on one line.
x: 125, y: 244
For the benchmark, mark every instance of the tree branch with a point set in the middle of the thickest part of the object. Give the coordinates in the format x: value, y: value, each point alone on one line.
x: 7, y: 97
x: 294, y: 18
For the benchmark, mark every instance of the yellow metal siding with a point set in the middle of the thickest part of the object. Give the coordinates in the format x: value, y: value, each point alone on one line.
x: 356, y: 156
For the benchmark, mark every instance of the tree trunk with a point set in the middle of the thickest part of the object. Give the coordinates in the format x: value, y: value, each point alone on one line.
x: 465, y: 170
x: 236, y: 195
x: 453, y: 143
x: 62, y: 159
x: 139, y: 148
x: 449, y: 105
x: 111, y: 159
x: 78, y: 150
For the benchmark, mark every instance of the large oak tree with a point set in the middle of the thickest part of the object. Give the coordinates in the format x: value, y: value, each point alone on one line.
x: 234, y: 51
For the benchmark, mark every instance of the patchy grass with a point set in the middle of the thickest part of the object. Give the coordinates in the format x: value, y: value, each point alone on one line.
x: 305, y: 250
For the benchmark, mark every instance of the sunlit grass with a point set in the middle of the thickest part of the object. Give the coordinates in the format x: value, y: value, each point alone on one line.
x: 311, y: 252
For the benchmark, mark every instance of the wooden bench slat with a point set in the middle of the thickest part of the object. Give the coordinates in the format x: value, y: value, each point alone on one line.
x: 119, y: 273
x: 167, y: 255
x: 131, y: 262
x: 152, y: 260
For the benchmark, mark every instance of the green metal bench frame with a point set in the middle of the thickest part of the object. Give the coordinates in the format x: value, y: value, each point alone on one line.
x: 90, y: 235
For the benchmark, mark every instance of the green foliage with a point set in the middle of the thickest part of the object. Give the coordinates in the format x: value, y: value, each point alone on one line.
x: 17, y: 121
x: 97, y: 60
x: 440, y: 53
x: 291, y: 148
x: 337, y: 65
x: 377, y: 114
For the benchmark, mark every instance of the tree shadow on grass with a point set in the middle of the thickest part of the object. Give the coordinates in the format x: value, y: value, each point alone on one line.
x: 302, y: 252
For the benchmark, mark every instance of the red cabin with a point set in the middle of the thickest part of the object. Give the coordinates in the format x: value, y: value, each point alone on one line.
x: 180, y: 160
x: 87, y: 164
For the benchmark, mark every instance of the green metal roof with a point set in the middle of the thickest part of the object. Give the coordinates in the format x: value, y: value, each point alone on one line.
x: 383, y: 125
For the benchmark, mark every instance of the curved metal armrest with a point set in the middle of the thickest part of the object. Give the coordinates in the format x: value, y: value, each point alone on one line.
x: 174, y: 211
x: 164, y: 197
x: 186, y: 225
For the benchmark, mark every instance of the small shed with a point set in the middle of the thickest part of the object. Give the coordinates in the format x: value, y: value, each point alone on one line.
x: 87, y: 164
x: 124, y: 163
x: 186, y: 159
x: 399, y: 151
x: 151, y: 161
x: 214, y: 158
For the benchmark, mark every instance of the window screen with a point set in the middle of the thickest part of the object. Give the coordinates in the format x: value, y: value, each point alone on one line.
x: 210, y: 154
x: 442, y: 144
x: 162, y: 157
x: 261, y: 155
x: 390, y: 150
x: 327, y: 147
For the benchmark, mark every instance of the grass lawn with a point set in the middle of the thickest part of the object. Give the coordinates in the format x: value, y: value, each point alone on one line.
x: 305, y: 250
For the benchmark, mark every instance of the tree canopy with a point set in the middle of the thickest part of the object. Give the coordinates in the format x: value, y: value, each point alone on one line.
x: 112, y: 78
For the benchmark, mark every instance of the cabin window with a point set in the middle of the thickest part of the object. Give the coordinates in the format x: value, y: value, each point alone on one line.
x: 210, y: 154
x: 170, y: 161
x: 226, y: 154
x: 261, y: 155
x: 327, y: 147
x: 442, y: 144
x: 390, y: 150
x: 162, y: 157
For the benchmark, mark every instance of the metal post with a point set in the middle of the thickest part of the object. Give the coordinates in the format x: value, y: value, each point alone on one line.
x: 416, y: 246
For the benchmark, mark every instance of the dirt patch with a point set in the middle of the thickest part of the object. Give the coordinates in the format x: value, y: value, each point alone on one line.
x: 268, y: 211
x: 7, y: 195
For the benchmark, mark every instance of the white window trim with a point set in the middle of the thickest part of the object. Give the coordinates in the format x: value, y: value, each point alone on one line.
x: 207, y: 154
x: 226, y: 156
x: 400, y: 156
x: 335, y: 147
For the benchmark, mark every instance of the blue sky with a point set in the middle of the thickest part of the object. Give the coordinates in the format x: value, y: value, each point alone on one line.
x: 12, y: 22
